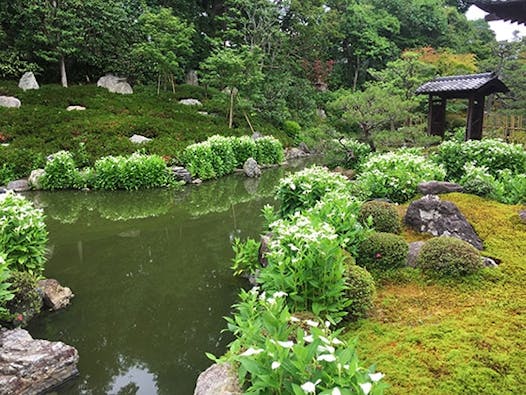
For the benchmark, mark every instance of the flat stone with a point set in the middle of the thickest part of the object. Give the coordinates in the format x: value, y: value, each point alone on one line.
x: 440, y: 218
x: 10, y: 102
x: 350, y: 174
x: 19, y: 186
x: 438, y: 187
x: 28, y: 82
x: 218, y: 379
x: 256, y: 136
x: 181, y: 174
x: 414, y: 251
x: 190, y: 102
x: 29, y: 366
x: 75, y: 108
x: 138, y: 139
x: 54, y: 295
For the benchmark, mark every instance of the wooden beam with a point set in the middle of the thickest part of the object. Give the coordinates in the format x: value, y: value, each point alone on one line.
x: 436, y: 119
x: 475, y: 118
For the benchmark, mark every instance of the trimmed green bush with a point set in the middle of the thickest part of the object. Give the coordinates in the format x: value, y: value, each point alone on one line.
x: 224, y: 160
x: 360, y: 291
x: 244, y: 147
x: 292, y: 129
x: 27, y: 301
x: 382, y: 251
x: 449, y: 256
x: 269, y: 151
x: 61, y: 172
x: 384, y: 216
x: 23, y: 234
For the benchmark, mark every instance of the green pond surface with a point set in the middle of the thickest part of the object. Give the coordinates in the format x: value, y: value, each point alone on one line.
x: 151, y: 277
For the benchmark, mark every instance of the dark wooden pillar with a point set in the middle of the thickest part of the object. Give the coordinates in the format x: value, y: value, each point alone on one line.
x: 475, y: 118
x: 436, y: 120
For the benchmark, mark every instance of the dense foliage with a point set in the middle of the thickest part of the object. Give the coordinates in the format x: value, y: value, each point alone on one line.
x: 382, y: 251
x: 383, y: 215
x: 360, y: 291
x: 60, y: 172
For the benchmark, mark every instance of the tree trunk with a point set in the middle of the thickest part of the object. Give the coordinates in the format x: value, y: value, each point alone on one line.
x: 231, y: 115
x: 356, y: 72
x: 63, y: 75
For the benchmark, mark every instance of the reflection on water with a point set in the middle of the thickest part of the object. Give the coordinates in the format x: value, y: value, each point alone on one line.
x: 151, y: 275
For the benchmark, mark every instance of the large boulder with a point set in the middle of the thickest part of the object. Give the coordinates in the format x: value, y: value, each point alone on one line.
x: 181, y: 174
x: 10, y: 102
x: 28, y: 82
x: 115, y: 84
x: 438, y: 187
x: 29, y: 366
x: 251, y: 168
x: 19, y: 186
x: 54, y: 295
x: 440, y: 218
x: 218, y: 379
x: 35, y: 178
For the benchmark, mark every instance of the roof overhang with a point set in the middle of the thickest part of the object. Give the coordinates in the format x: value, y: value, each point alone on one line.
x: 508, y: 10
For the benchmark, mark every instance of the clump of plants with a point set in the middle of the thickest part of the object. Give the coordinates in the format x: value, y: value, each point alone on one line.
x: 26, y: 301
x: 360, y: 291
x: 244, y: 147
x: 269, y: 151
x: 23, y: 234
x: 449, y: 256
x: 6, y: 294
x: 382, y: 251
x: 493, y: 154
x: 348, y: 153
x: 245, y: 257
x: 383, y: 216
x: 60, y: 172
x: 304, y: 189
x: 396, y: 175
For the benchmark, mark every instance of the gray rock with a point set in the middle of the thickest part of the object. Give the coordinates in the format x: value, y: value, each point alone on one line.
x: 10, y: 102
x: 18, y: 186
x: 29, y: 366
x: 115, y: 84
x: 192, y: 78
x: 320, y: 112
x: 138, y: 139
x: 294, y: 153
x: 54, y: 295
x: 3, y: 190
x: 197, y: 181
x: 75, y: 108
x: 264, y: 249
x: 251, y: 168
x: 302, y: 146
x: 440, y: 218
x: 522, y: 216
x: 35, y: 178
x: 438, y: 187
x: 489, y: 262
x: 218, y: 379
x: 190, y: 102
x: 256, y: 136
x: 203, y: 113
x: 181, y: 174
x: 28, y: 81
x: 414, y: 251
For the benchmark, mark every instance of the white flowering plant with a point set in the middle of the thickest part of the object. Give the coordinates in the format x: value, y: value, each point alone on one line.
x: 304, y: 189
x: 396, y: 175
x: 60, y: 172
x: 23, y: 234
x: 279, y: 353
x: 305, y: 260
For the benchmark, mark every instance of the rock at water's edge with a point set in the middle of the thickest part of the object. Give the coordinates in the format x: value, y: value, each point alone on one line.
x: 251, y: 168
x: 54, y: 295
x: 218, y: 379
x: 18, y: 186
x: 294, y: 153
x: 181, y: 174
x: 29, y: 366
x: 35, y: 178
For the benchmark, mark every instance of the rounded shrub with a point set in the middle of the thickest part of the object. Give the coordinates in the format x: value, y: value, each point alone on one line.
x: 384, y: 216
x: 382, y: 251
x: 449, y: 256
x: 360, y: 291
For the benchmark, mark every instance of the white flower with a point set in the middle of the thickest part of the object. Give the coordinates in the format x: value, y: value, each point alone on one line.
x: 326, y: 358
x: 328, y: 349
x: 325, y: 340
x: 336, y: 391
x: 308, y: 338
x: 271, y: 301
x: 376, y: 377
x: 275, y: 365
x: 327, y: 324
x: 294, y: 319
x: 252, y: 351
x: 310, y: 387
x: 366, y: 388
x: 279, y: 294
x: 287, y: 344
x: 312, y: 323
x: 337, y: 342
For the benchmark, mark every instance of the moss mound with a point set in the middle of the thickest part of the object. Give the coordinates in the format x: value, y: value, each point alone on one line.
x: 449, y: 256
x: 360, y: 291
x: 382, y: 251
x: 383, y: 214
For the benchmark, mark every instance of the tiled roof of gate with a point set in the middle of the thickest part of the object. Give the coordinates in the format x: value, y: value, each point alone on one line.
x: 454, y: 83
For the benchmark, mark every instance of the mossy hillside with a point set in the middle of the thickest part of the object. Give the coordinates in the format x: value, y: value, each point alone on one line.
x: 43, y: 126
x: 455, y: 336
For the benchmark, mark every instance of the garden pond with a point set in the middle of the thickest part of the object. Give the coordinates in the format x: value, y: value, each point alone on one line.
x: 152, y: 278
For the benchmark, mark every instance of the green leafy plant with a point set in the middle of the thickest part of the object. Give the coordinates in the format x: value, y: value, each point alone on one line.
x: 477, y: 180
x: 396, y: 175
x: 5, y: 288
x: 23, y: 234
x: 224, y: 160
x: 269, y: 151
x: 304, y: 189
x: 292, y: 129
x: 6, y: 174
x: 60, y: 172
x: 449, y: 256
x: 511, y: 188
x: 383, y: 215
x: 279, y: 353
x: 348, y: 153
x: 244, y: 147
x: 245, y: 257
x: 27, y: 301
x: 382, y: 251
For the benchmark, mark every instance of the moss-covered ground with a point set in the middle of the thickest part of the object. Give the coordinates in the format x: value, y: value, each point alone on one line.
x: 455, y: 336
x: 43, y: 126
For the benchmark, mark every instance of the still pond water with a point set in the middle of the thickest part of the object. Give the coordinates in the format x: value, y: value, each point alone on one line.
x: 151, y: 275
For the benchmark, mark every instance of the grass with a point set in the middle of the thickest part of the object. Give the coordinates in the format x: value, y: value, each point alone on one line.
x: 455, y: 337
x: 42, y: 125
